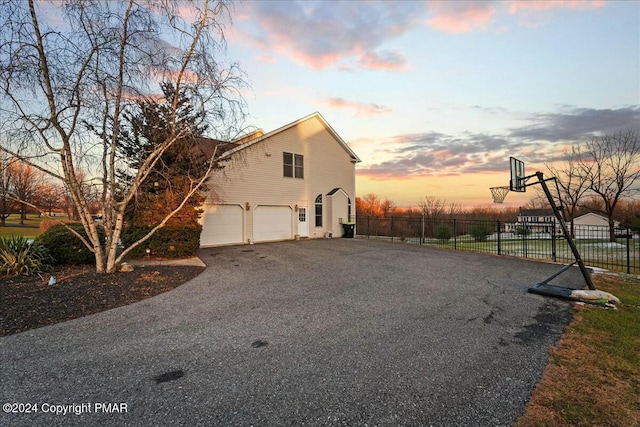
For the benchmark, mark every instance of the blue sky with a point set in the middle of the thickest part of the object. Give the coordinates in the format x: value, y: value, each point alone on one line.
x: 435, y: 96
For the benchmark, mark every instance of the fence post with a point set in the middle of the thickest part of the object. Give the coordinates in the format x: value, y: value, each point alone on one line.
x: 499, y: 243
x: 524, y: 240
x: 368, y: 226
x: 392, y: 233
x: 628, y: 233
x: 553, y: 240
x: 455, y: 235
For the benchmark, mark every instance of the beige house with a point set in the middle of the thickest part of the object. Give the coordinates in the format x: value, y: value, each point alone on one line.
x: 592, y: 220
x: 592, y: 226
x: 297, y: 181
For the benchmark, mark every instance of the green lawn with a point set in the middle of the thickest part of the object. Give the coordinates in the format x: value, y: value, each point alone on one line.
x: 31, y: 227
x: 595, y: 253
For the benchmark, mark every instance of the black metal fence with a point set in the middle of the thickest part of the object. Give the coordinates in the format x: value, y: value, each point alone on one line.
x: 538, y: 240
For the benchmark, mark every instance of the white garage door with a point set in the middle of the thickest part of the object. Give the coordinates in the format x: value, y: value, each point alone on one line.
x: 271, y: 223
x: 221, y: 225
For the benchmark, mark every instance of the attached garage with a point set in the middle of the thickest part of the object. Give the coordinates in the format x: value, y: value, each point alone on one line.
x: 272, y: 223
x: 222, y: 225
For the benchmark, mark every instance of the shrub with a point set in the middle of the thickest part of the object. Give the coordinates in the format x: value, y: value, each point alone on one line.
x: 443, y: 232
x: 46, y: 224
x: 65, y: 247
x: 167, y: 242
x: 480, y: 231
x: 19, y: 255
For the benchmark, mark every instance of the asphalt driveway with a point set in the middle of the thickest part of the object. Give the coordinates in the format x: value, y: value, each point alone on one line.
x: 322, y: 332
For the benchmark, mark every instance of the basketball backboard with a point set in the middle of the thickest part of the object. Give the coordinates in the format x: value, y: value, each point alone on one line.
x: 517, y: 182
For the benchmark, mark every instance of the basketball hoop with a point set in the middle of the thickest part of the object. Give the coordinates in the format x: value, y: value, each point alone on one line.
x: 499, y: 193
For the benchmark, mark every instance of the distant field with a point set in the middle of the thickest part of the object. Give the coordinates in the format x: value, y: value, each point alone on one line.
x: 31, y: 227
x: 594, y: 252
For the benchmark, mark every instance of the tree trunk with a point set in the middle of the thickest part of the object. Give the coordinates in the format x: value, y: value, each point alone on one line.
x: 612, y: 230
x: 23, y: 213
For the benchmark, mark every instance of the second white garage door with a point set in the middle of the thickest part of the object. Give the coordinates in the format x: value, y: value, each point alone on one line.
x: 272, y: 223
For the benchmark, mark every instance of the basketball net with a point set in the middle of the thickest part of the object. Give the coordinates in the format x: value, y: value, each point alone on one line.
x: 499, y: 193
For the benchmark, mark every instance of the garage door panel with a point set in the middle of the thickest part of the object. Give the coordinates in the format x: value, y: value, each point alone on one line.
x: 222, y: 225
x: 272, y: 223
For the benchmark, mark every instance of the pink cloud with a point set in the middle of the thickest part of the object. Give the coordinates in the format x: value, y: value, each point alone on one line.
x: 360, y: 108
x: 387, y: 60
x: 542, y: 5
x: 466, y: 16
x: 325, y: 34
x: 461, y: 16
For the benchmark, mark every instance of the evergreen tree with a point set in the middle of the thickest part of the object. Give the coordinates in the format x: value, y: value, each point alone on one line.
x: 177, y: 169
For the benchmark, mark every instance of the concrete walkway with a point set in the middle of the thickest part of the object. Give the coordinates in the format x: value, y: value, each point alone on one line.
x: 320, y: 332
x: 192, y: 261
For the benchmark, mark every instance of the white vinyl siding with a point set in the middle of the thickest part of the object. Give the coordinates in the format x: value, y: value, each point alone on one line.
x: 254, y: 176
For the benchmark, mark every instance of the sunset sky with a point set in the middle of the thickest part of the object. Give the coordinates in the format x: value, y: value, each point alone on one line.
x: 435, y: 96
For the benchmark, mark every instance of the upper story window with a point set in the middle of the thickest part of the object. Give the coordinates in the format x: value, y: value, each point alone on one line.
x: 293, y: 165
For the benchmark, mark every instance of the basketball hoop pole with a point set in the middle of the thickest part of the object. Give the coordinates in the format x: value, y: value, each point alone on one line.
x: 518, y: 183
x: 543, y: 287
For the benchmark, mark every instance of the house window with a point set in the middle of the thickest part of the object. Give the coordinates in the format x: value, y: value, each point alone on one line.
x: 293, y: 165
x: 349, y: 209
x: 319, y: 210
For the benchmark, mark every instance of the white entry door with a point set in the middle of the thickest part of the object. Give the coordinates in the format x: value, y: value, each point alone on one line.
x: 303, y: 222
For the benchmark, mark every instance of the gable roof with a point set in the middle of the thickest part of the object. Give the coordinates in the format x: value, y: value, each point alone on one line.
x: 354, y: 157
x: 594, y: 217
x: 335, y: 190
x: 590, y: 215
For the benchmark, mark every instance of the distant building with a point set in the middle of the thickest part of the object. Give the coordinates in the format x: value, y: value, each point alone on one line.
x: 535, y: 221
x: 592, y: 226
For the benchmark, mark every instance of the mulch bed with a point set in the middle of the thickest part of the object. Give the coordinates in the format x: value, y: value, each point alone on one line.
x: 28, y: 302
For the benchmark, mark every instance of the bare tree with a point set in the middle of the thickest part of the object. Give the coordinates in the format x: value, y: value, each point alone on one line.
x: 629, y: 214
x: 7, y: 202
x: 48, y: 197
x: 611, y: 169
x: 25, y: 181
x: 454, y: 210
x: 432, y: 207
x: 571, y: 186
x: 538, y: 201
x: 70, y: 71
x: 372, y: 205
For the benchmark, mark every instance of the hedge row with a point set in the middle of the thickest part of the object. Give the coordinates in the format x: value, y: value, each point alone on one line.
x: 167, y: 242
x: 65, y: 247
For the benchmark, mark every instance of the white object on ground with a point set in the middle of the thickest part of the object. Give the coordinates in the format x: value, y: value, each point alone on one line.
x: 595, y: 296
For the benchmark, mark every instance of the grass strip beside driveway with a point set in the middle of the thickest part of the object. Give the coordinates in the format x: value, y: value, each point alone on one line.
x: 593, y: 377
